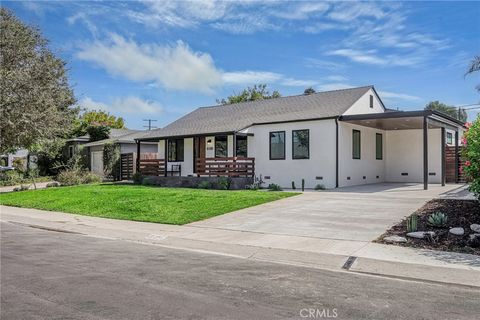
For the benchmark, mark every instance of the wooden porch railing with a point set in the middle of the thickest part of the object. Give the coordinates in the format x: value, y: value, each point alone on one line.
x: 226, y: 167
x: 152, y: 167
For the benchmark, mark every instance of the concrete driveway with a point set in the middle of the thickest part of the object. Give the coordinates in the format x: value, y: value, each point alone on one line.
x: 360, y: 213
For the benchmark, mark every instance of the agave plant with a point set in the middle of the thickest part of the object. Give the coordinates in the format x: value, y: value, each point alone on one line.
x: 437, y: 219
x: 412, y: 223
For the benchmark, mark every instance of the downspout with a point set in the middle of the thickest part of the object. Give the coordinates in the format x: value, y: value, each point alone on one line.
x: 336, y: 152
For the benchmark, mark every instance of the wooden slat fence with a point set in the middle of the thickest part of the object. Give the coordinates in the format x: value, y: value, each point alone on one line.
x: 450, y: 164
x: 152, y: 167
x: 226, y: 167
x: 127, y: 166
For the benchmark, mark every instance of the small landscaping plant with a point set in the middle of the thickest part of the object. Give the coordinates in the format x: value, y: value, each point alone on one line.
x: 137, y: 178
x: 319, y: 187
x: 224, y: 183
x: 438, y: 220
x: 412, y: 223
x: 21, y: 188
x: 274, y: 187
x: 204, y: 185
x: 293, y: 185
x: 303, y: 185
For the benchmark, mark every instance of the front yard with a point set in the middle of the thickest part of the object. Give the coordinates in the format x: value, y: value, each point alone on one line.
x: 140, y: 203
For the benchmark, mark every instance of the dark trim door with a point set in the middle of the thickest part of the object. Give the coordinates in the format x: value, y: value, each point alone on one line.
x: 198, y: 150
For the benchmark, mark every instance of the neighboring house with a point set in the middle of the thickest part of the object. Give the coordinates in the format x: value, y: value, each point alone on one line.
x: 26, y: 159
x: 124, y: 138
x: 73, y: 145
x: 335, y: 138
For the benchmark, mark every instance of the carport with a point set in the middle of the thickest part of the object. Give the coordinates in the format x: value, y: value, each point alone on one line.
x: 407, y: 120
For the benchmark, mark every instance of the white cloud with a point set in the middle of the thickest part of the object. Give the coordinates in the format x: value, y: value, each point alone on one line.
x: 387, y: 95
x: 359, y: 56
x: 290, y: 82
x: 171, y: 66
x: 129, y: 104
x: 250, y: 77
x: 323, y: 64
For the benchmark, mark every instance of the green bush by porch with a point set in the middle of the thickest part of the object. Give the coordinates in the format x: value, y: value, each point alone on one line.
x: 140, y: 203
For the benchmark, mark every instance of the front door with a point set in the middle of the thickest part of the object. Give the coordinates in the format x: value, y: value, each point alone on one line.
x: 199, y: 150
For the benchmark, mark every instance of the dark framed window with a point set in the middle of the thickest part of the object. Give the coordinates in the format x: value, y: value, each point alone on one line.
x: 371, y: 101
x: 221, y: 147
x: 378, y: 146
x: 301, y: 144
x: 242, y: 146
x: 277, y: 145
x: 356, y: 144
x: 175, y: 150
x: 449, y: 138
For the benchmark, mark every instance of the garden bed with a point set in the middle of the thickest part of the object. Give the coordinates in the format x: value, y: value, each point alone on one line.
x: 461, y: 213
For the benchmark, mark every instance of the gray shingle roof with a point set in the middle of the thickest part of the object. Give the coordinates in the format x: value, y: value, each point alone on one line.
x: 234, y: 117
x: 120, y: 136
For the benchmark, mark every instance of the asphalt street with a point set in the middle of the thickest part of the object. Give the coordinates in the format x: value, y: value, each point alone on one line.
x: 47, y: 274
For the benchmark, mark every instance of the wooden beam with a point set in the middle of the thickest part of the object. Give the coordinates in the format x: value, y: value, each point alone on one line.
x: 443, y: 156
x: 457, y: 160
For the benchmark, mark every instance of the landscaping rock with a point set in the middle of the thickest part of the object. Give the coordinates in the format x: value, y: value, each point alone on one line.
x: 474, y: 236
x: 420, y: 234
x: 457, y: 231
x: 53, y: 184
x: 475, y: 227
x: 395, y: 239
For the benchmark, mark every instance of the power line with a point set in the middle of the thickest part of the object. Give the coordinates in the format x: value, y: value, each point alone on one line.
x: 149, y: 126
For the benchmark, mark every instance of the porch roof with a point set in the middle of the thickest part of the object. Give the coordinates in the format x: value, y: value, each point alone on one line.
x: 403, y: 120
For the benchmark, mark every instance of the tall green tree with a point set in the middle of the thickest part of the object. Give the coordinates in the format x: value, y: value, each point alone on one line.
x: 257, y: 92
x: 457, y: 113
x: 35, y: 97
x: 96, y: 118
x: 309, y: 90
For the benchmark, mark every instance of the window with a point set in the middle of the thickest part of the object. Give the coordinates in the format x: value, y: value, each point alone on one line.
x: 221, y: 147
x: 378, y: 146
x: 371, y: 101
x: 356, y: 144
x: 277, y: 145
x: 449, y: 138
x: 175, y: 150
x: 300, y: 144
x: 242, y: 146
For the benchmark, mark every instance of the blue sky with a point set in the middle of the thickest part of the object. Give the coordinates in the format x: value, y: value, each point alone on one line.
x: 160, y: 60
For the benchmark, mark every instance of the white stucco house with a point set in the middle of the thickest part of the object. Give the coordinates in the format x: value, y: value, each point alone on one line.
x: 334, y: 138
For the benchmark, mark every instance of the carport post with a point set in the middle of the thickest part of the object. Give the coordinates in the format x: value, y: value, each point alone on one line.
x: 425, y: 153
x: 443, y: 156
x: 457, y: 160
x: 137, y: 160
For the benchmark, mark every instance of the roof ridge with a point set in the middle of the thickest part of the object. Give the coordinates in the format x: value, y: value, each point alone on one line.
x: 295, y: 95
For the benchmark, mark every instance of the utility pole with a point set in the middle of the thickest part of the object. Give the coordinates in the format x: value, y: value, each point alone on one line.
x: 149, y: 126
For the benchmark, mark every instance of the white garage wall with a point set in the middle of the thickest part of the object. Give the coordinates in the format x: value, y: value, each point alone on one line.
x: 283, y: 172
x: 405, y: 154
x: 132, y: 147
x: 367, y: 166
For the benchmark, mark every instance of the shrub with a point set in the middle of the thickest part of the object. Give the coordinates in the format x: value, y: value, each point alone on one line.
x: 111, y: 160
x: 137, y: 178
x: 148, y: 181
x: 69, y: 177
x: 21, y: 188
x: 274, y: 187
x: 224, y: 183
x: 74, y: 177
x: 204, y: 185
x: 320, y: 187
x: 9, y: 178
x: 303, y: 185
x: 293, y: 185
x: 437, y: 219
x: 53, y: 184
x: 471, y: 167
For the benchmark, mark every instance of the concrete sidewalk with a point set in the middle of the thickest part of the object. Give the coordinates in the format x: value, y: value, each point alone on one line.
x: 362, y: 256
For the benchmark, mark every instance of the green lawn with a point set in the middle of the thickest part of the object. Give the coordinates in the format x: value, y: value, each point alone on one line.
x: 140, y: 203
